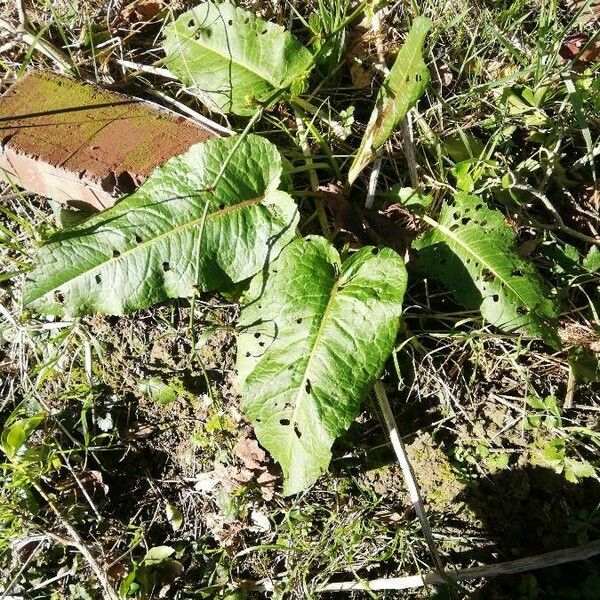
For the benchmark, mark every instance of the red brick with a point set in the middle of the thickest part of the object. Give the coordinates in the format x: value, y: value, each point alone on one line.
x: 82, y: 145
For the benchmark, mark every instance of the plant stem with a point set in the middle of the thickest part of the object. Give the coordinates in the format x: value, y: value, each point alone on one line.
x: 411, y: 484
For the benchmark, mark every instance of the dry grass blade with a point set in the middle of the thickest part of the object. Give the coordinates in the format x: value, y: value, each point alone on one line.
x: 62, y: 61
x: 411, y: 484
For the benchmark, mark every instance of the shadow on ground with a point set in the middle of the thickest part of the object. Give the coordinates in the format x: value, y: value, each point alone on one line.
x: 529, y: 511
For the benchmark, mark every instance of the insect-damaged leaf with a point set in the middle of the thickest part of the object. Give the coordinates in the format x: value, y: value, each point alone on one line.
x: 180, y: 232
x: 473, y: 251
x: 400, y: 91
x: 233, y: 60
x: 315, y: 334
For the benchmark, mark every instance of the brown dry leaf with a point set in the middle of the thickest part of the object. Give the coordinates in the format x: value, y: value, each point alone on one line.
x: 345, y: 215
x: 573, y: 45
x: 255, y: 470
x: 267, y: 482
x: 91, y: 481
x: 256, y: 463
x: 142, y: 11
x: 361, y: 53
x: 590, y: 15
x: 227, y: 534
x: 394, y: 226
x: 250, y: 453
x: 588, y: 20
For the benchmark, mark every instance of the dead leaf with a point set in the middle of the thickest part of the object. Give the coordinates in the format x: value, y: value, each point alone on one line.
x: 91, y: 481
x: 226, y: 533
x: 573, y: 45
x: 250, y: 453
x: 361, y: 53
x: 267, y: 482
x: 260, y: 521
x: 527, y: 248
x: 345, y: 215
x: 143, y: 11
x: 230, y: 478
x: 394, y: 226
x: 590, y: 14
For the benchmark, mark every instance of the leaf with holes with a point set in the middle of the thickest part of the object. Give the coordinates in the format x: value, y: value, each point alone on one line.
x: 400, y: 91
x: 233, y: 60
x: 472, y: 250
x: 315, y: 334
x: 204, y: 219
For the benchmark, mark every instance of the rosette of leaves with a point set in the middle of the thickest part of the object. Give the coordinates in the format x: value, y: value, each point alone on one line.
x: 473, y: 251
x: 205, y: 219
x: 233, y: 60
x: 315, y: 332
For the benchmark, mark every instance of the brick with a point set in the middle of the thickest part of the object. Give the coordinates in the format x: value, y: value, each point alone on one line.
x: 82, y: 145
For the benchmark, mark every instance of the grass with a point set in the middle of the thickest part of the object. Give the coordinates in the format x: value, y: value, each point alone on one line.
x: 506, y: 468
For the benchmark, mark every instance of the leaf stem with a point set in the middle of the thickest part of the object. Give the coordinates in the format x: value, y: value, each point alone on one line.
x: 239, y: 141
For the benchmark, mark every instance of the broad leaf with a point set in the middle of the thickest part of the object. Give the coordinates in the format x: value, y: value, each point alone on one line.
x: 180, y: 232
x: 17, y: 433
x: 400, y: 91
x: 472, y: 250
x: 231, y: 59
x: 315, y: 334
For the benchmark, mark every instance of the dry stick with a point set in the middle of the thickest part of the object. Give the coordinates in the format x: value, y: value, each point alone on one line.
x: 521, y: 565
x: 558, y: 219
x: 370, y: 199
x: 409, y: 149
x: 6, y: 591
x: 79, y: 544
x: 312, y: 175
x: 571, y: 387
x: 158, y: 72
x: 374, y: 177
x: 63, y: 62
x: 139, y: 68
x: 413, y: 489
x: 75, y: 539
x: 411, y: 484
x: 196, y: 116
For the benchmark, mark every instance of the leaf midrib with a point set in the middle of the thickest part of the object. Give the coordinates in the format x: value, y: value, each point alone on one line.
x: 460, y: 242
x: 317, y: 338
x: 178, y: 229
x: 229, y: 57
x: 414, y: 63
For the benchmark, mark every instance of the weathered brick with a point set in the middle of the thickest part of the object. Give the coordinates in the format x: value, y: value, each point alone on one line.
x: 83, y: 145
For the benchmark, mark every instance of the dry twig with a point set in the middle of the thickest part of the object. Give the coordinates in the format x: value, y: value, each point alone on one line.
x: 521, y: 565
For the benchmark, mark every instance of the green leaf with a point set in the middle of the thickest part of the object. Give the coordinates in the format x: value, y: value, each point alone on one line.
x: 15, y: 435
x: 473, y: 251
x: 158, y: 390
x: 157, y: 554
x: 177, y: 234
x: 578, y: 469
x: 585, y: 364
x: 411, y: 198
x: 315, y: 334
x: 233, y: 60
x: 400, y: 91
x: 174, y: 516
x: 592, y: 261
